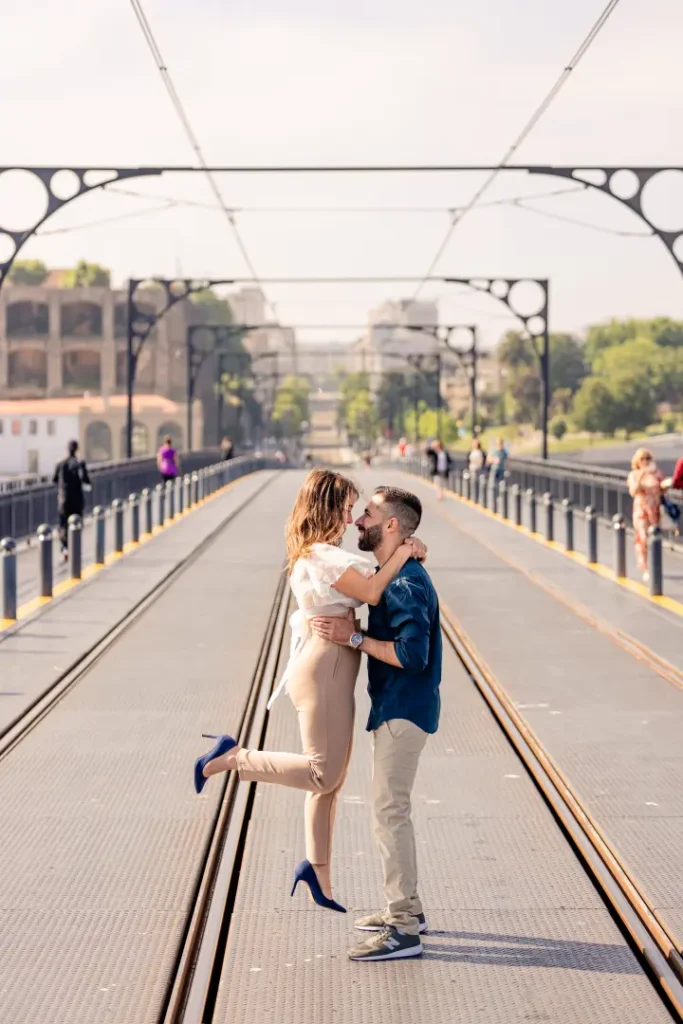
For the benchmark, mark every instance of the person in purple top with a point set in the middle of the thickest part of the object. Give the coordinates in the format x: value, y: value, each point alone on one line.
x: 167, y: 461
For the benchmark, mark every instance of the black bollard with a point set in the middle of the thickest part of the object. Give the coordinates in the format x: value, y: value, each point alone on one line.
x: 134, y: 502
x: 45, y: 548
x: 592, y: 535
x: 201, y: 484
x: 531, y: 497
x: 194, y: 492
x: 117, y: 509
x: 187, y: 491
x: 517, y: 503
x: 481, y: 489
x: 180, y: 495
x: 147, y: 510
x: 549, y: 506
x: 98, y: 515
x: 654, y: 561
x: 75, y: 528
x: 619, y: 524
x: 170, y: 500
x: 467, y: 485
x: 8, y: 553
x: 568, y: 525
x: 493, y: 493
x: 161, y: 504
x: 503, y: 509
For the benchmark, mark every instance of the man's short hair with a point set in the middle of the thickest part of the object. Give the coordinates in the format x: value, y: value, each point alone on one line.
x: 404, y: 506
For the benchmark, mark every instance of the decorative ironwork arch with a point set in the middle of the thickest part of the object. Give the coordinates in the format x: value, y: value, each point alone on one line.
x: 141, y: 322
x: 62, y: 185
x: 81, y: 180
x: 535, y: 324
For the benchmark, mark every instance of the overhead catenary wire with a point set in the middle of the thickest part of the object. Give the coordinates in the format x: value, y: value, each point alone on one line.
x: 522, y: 136
x: 194, y: 142
x: 520, y: 202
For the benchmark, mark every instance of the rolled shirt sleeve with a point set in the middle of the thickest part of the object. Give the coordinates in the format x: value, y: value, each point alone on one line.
x: 408, y: 614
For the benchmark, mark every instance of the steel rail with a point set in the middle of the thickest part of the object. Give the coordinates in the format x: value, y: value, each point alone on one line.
x: 26, y: 721
x: 648, y: 932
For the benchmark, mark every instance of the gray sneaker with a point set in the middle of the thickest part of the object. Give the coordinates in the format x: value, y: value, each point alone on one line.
x: 377, y: 921
x: 389, y: 944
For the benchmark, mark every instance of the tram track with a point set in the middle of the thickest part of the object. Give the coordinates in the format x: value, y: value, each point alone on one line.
x: 655, y: 943
x: 193, y: 987
x: 14, y: 731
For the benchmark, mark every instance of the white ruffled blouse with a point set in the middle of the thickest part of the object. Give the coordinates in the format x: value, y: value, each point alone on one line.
x: 312, y: 582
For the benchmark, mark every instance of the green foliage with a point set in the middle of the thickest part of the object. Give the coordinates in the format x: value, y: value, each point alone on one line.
x: 595, y: 408
x: 428, y: 424
x: 291, y: 406
x: 362, y: 418
x: 663, y: 331
x: 558, y: 427
x: 567, y: 363
x: 28, y: 272
x: 87, y: 275
x: 210, y: 308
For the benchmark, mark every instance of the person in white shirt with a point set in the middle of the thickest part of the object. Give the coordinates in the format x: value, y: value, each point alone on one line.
x: 320, y: 675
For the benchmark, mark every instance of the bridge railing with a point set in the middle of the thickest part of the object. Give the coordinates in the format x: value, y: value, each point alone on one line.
x: 124, y: 521
x: 23, y: 509
x: 604, y: 490
x: 526, y: 498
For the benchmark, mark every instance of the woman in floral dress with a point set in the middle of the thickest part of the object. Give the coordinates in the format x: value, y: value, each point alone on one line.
x: 645, y: 487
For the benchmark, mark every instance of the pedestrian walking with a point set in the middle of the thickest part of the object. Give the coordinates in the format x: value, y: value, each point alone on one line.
x: 497, y: 460
x: 227, y: 449
x: 72, y: 479
x: 168, y: 462
x: 645, y: 487
x: 476, y: 460
x: 440, y: 467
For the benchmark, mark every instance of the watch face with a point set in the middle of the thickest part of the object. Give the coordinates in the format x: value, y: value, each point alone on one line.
x: 356, y: 639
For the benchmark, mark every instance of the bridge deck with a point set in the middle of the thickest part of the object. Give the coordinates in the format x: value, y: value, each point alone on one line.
x: 103, y: 835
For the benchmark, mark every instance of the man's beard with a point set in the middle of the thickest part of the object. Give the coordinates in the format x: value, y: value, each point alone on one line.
x: 370, y: 539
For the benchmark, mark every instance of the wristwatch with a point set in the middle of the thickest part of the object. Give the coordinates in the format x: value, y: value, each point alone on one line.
x: 355, y: 640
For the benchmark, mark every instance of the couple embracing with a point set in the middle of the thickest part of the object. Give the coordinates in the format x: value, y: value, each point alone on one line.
x: 403, y: 646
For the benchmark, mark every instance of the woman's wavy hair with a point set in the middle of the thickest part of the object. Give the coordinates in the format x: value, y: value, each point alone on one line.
x: 319, y: 513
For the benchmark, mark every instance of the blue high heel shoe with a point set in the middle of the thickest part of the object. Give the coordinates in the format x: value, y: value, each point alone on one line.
x: 306, y: 873
x: 225, y: 743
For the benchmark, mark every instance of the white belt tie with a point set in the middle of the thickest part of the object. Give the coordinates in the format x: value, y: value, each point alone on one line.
x: 301, y: 632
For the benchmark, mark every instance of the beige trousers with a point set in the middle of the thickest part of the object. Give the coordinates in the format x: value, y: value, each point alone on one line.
x: 321, y: 687
x: 397, y: 748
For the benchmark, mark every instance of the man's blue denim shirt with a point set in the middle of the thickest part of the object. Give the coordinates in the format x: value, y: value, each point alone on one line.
x: 408, y: 614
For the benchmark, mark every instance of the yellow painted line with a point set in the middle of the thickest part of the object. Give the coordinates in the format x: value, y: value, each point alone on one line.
x: 639, y: 589
x: 66, y: 585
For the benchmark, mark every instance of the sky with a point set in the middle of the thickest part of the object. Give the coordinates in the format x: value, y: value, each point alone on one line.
x: 444, y: 81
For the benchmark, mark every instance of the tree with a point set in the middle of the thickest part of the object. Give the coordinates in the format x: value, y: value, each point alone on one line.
x: 567, y: 363
x: 635, y: 401
x: 561, y: 401
x: 28, y: 272
x: 516, y: 352
x: 525, y: 392
x: 87, y: 275
x: 211, y: 309
x: 595, y: 408
x: 558, y: 427
x: 362, y: 418
x: 290, y: 409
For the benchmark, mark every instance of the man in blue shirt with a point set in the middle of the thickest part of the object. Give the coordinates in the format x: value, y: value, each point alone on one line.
x: 403, y: 644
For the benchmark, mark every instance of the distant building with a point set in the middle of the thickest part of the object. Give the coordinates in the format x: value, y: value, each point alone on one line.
x: 34, y: 433
x: 396, y: 329
x: 455, y: 386
x: 58, y: 342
